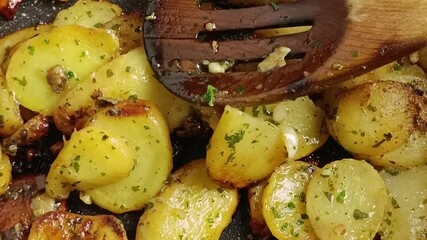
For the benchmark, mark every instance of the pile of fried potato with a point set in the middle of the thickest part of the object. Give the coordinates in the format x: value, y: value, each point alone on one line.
x: 87, y: 74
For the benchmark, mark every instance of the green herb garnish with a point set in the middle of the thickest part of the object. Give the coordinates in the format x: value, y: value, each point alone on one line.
x: 275, y: 6
x: 357, y: 214
x: 209, y: 96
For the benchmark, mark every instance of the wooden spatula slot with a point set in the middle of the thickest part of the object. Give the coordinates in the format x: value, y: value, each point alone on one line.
x: 182, y: 37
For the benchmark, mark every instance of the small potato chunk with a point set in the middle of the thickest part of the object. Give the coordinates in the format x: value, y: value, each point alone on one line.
x: 10, y: 117
x: 145, y: 131
x: 74, y: 50
x: 88, y: 13
x: 406, y: 212
x: 301, y: 123
x: 191, y: 206
x: 346, y: 200
x: 283, y: 201
x: 373, y: 118
x: 93, y: 157
x: 5, y: 172
x: 129, y: 76
x: 61, y: 225
x: 304, y: 119
x: 243, y: 149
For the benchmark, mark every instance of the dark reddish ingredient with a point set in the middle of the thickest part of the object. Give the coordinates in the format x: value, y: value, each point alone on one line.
x: 8, y: 8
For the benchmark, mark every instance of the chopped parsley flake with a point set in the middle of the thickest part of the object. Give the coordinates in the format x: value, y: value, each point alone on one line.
x: 234, y: 138
x: 274, y: 6
x: 31, y: 49
x: 276, y: 213
x: 341, y: 196
x: 357, y: 214
x: 22, y: 82
x: 110, y: 73
x: 355, y: 54
x: 241, y: 89
x: 209, y: 96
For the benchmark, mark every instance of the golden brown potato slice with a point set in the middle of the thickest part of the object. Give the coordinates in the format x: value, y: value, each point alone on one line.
x: 373, y: 118
x: 283, y: 201
x: 93, y: 157
x: 45, y: 67
x: 143, y: 128
x: 243, y: 149
x: 129, y: 76
x: 11, y: 40
x: 88, y: 13
x: 190, y: 206
x: 346, y: 200
x: 61, y: 225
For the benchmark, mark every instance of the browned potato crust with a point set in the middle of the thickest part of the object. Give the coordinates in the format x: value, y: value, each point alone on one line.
x: 63, y: 225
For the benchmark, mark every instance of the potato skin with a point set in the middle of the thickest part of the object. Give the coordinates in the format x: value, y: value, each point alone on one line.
x: 61, y: 225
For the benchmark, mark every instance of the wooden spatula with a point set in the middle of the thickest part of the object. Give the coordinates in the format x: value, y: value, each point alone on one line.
x: 344, y: 39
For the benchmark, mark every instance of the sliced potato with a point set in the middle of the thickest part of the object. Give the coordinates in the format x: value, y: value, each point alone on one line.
x: 145, y: 131
x: 93, y: 157
x: 65, y: 55
x: 191, y: 206
x: 283, y: 201
x: 10, y: 117
x: 5, y: 172
x: 243, y: 149
x: 61, y: 225
x: 346, y: 200
x: 406, y: 213
x: 410, y: 154
x: 11, y: 40
x: 88, y: 13
x: 373, y: 118
x: 126, y: 77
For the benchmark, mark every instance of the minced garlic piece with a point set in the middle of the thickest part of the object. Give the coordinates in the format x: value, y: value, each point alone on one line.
x: 219, y: 67
x: 210, y: 26
x: 42, y: 204
x: 274, y: 60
